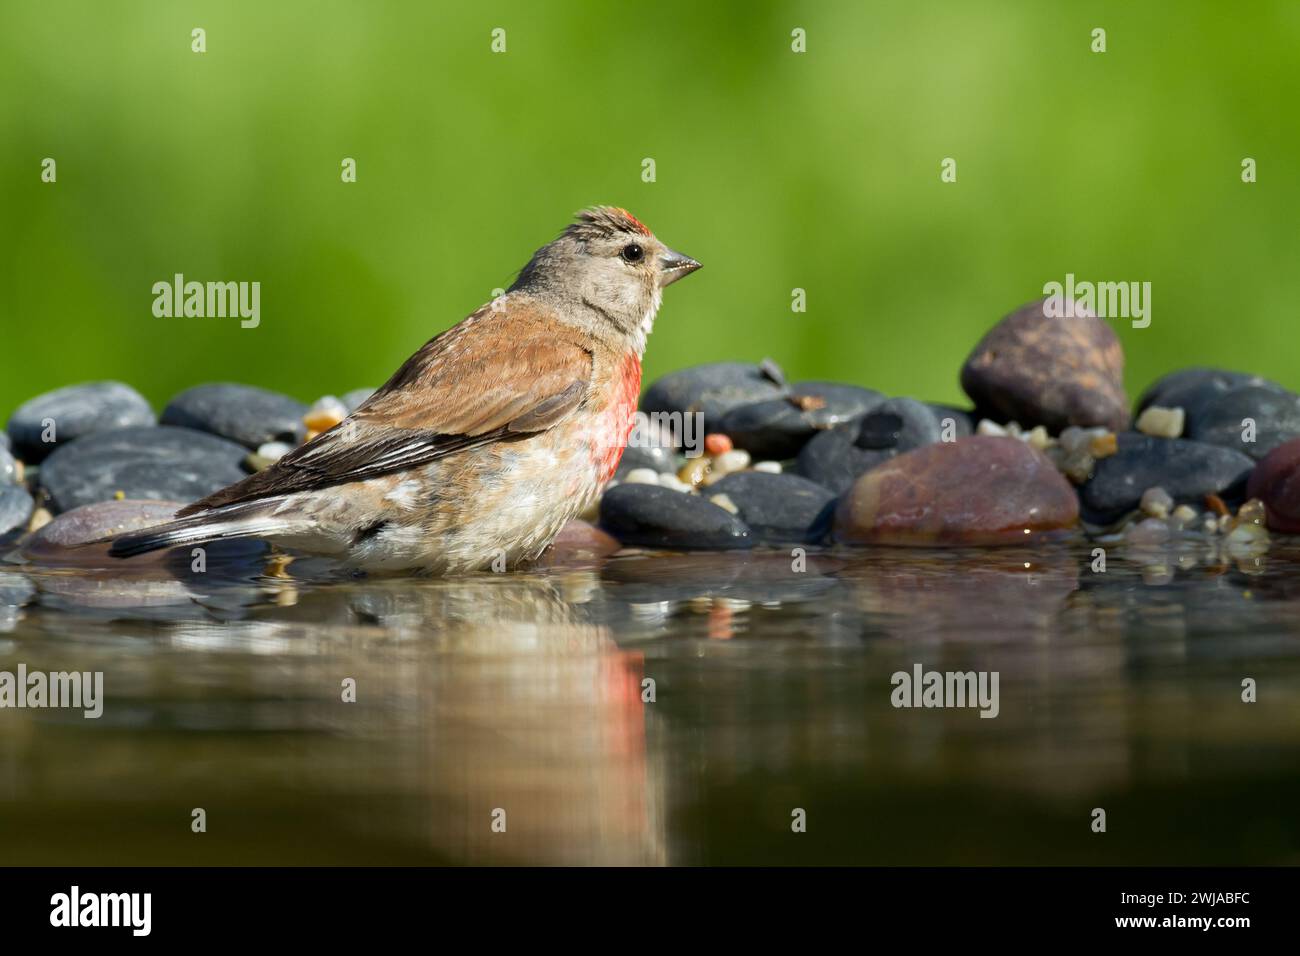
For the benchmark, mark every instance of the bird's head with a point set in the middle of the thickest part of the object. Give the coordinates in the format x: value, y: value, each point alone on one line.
x: 606, y: 267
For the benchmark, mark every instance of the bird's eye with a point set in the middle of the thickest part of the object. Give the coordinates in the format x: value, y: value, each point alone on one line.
x: 632, y: 253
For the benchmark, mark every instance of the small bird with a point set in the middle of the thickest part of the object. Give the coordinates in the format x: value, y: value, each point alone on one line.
x: 486, y: 441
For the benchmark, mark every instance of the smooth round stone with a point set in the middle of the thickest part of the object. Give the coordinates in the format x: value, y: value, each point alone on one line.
x: 1276, y: 482
x: 779, y: 509
x: 779, y: 428
x: 8, y: 467
x: 981, y: 490
x: 164, y: 463
x: 1038, y: 370
x: 64, y: 540
x: 4, y: 441
x: 1191, y: 389
x: 1187, y: 470
x: 712, y: 390
x: 833, y: 460
x: 655, y: 457
x: 352, y: 400
x: 243, y: 413
x: 76, y: 411
x: 900, y: 424
x: 1276, y: 414
x: 16, y: 507
x: 654, y: 517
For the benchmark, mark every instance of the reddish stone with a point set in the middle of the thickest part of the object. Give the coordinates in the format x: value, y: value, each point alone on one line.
x: 974, y: 491
x: 1036, y: 369
x: 717, y: 444
x: 579, y: 543
x: 1276, y: 482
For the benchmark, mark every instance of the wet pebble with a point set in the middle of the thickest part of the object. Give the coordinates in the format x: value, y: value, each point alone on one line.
x: 650, y: 516
x: 16, y: 507
x: 1253, y: 419
x: 1186, y: 470
x: 242, y: 413
x: 1042, y: 370
x: 166, y: 463
x: 779, y: 509
x: 655, y: 457
x: 1276, y: 482
x: 981, y: 490
x: 579, y: 542
x: 75, y: 412
x: 8, y: 467
x: 712, y: 390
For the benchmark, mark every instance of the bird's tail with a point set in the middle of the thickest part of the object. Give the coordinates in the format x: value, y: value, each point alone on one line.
x: 246, y: 520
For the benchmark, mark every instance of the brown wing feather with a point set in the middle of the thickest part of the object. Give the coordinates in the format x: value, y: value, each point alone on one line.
x: 492, y: 376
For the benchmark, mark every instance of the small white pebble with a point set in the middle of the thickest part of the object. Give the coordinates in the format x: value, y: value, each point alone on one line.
x: 725, y: 503
x: 986, y: 427
x: 673, y: 482
x: 641, y: 476
x: 731, y: 461
x: 1038, y: 438
x: 771, y: 467
x: 1161, y: 422
x: 1156, y: 502
x: 273, y: 450
x: 1185, y: 513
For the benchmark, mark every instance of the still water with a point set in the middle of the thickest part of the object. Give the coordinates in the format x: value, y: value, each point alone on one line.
x: 516, y: 703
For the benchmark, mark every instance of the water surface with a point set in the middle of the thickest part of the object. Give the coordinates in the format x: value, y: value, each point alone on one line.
x: 523, y: 693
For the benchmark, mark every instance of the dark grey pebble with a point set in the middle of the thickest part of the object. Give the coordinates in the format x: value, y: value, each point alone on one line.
x: 900, y: 424
x: 779, y: 509
x: 1275, y: 414
x: 712, y: 390
x: 352, y: 400
x: 833, y: 459
x: 163, y: 463
x: 654, y: 517
x: 778, y: 428
x: 8, y: 467
x: 1192, y: 389
x: 76, y: 411
x: 963, y: 420
x: 16, y: 507
x: 243, y: 413
x: 659, y: 459
x: 1187, y: 470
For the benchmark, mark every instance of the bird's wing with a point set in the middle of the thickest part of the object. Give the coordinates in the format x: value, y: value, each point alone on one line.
x: 479, y: 381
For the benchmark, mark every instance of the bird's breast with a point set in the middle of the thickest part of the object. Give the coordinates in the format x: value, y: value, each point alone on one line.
x: 618, y: 416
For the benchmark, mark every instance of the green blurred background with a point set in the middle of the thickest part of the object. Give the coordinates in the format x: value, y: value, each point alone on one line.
x: 777, y: 170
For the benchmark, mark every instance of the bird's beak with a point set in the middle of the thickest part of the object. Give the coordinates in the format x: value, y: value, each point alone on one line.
x: 674, y: 265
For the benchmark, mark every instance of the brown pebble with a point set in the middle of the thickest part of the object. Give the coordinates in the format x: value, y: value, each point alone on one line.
x: 1215, y: 504
x: 1103, y: 446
